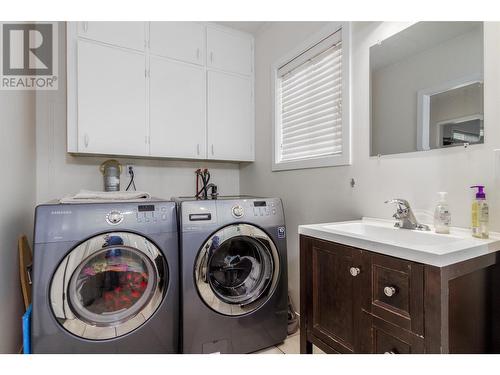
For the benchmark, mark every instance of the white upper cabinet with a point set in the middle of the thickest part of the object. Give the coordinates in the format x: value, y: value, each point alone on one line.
x: 230, y: 117
x: 111, y: 100
x: 177, y: 109
x: 122, y: 34
x: 183, y: 41
x: 229, y: 51
x: 179, y: 90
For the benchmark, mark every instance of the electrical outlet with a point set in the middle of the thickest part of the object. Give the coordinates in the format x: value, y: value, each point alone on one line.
x: 129, y: 168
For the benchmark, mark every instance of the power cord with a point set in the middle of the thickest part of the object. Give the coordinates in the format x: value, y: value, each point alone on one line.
x: 132, y: 182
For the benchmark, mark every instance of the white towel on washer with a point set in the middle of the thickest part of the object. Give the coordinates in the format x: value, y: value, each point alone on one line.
x: 89, y: 196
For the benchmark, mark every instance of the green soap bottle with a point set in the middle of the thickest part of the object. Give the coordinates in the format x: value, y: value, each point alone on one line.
x: 480, y: 214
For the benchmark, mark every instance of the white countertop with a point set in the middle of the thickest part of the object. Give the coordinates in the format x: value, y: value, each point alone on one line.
x: 428, y: 247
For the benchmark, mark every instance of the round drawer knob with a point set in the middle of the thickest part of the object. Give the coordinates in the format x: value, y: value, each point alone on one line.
x: 389, y: 291
x: 355, y: 271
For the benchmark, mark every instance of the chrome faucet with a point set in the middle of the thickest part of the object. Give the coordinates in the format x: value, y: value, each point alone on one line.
x: 404, y: 215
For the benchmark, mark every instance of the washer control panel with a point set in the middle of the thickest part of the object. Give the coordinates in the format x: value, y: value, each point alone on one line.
x: 264, y: 208
x: 71, y: 222
x: 150, y: 213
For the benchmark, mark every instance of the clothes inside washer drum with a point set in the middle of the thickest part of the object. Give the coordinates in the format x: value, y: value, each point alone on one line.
x: 240, y: 269
x: 111, y: 282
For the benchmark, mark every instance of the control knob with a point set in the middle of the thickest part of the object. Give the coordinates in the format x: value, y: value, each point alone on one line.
x: 237, y: 211
x: 114, y: 217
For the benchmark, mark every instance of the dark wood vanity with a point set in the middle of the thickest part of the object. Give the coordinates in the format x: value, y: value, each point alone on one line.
x: 358, y: 301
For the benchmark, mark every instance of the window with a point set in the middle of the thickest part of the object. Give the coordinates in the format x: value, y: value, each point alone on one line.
x: 311, y: 103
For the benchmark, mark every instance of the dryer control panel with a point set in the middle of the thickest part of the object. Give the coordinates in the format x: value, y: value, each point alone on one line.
x: 216, y: 213
x: 264, y: 208
x: 262, y: 211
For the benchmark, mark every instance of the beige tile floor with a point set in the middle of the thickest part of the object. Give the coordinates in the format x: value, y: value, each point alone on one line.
x: 290, y: 346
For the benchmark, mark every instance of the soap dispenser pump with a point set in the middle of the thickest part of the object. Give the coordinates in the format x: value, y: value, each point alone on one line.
x: 480, y: 213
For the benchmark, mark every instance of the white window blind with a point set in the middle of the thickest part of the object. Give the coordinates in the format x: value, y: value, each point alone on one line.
x: 310, y: 102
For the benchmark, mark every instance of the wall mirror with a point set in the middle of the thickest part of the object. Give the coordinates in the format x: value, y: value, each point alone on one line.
x: 426, y: 88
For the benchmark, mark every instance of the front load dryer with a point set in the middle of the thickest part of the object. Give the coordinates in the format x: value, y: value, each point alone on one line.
x: 234, y: 274
x: 105, y: 278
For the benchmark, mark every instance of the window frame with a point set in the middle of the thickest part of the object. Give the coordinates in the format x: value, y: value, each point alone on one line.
x: 324, y: 161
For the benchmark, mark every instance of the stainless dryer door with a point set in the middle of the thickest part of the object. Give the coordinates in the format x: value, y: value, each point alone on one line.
x: 237, y: 269
x: 109, y: 285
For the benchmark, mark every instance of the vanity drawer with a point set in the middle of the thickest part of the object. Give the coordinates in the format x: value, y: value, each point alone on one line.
x: 386, y: 338
x: 394, y: 291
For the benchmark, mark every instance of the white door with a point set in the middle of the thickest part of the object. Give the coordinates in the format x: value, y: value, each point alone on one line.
x: 177, y: 109
x: 122, y: 34
x: 183, y: 41
x: 230, y: 117
x: 111, y: 100
x: 229, y: 51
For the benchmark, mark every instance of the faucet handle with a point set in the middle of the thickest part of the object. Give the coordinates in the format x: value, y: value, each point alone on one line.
x: 399, y: 202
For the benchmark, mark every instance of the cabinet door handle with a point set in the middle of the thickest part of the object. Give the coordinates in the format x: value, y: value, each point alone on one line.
x: 198, y: 149
x: 211, y: 57
x: 212, y: 149
x: 197, y: 53
x: 354, y: 271
x: 389, y: 291
x: 85, y: 26
x: 86, y: 140
x: 390, y: 352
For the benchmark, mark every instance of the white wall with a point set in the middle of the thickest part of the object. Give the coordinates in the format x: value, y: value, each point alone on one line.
x: 309, y: 195
x: 60, y: 174
x: 324, y: 194
x: 17, y: 199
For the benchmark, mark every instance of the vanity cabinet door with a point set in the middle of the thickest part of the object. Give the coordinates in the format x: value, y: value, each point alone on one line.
x: 333, y: 294
x: 381, y: 337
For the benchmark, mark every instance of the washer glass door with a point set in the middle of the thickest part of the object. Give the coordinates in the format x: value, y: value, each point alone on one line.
x: 237, y: 269
x: 109, y: 285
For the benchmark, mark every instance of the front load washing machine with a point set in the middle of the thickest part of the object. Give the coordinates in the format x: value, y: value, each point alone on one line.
x: 105, y: 278
x: 234, y: 274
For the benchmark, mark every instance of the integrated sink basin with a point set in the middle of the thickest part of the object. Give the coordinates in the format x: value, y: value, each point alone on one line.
x: 423, y: 241
x: 426, y: 247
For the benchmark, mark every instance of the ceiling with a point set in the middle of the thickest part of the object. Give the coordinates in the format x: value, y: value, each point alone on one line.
x: 252, y: 27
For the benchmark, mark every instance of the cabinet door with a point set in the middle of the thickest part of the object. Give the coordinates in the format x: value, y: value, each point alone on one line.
x: 111, y: 100
x: 177, y: 109
x: 230, y: 117
x: 382, y: 337
x: 334, y: 305
x: 229, y: 51
x: 122, y: 34
x: 183, y: 41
